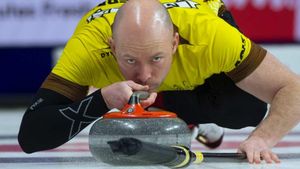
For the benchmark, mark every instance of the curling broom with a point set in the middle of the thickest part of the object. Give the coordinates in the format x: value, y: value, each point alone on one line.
x: 175, y: 156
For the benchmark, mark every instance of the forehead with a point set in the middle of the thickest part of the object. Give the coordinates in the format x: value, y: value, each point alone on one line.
x: 143, y: 46
x: 141, y: 34
x: 138, y: 46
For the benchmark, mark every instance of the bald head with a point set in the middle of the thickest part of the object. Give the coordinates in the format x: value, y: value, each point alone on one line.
x: 143, y: 42
x: 142, y: 17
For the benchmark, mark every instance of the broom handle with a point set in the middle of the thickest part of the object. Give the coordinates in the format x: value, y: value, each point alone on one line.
x: 171, y: 156
x: 224, y: 155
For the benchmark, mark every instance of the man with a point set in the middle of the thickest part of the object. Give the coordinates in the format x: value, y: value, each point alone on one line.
x: 147, y: 49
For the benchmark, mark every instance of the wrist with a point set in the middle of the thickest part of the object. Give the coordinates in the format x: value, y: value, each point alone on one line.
x: 102, y: 93
x: 268, y: 138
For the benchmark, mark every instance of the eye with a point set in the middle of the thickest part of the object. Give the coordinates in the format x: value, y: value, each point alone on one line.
x: 130, y: 61
x: 156, y: 59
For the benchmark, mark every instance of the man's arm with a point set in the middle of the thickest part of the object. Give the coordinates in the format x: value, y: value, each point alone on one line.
x: 57, y: 114
x: 273, y: 83
x: 60, y: 110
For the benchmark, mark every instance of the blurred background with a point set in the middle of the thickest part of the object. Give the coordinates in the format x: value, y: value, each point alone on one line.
x: 34, y: 32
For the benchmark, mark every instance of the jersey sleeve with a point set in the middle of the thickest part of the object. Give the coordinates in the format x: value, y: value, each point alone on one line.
x: 73, y: 64
x: 79, y: 61
x: 234, y: 53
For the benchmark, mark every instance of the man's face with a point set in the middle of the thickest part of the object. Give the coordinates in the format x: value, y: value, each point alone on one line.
x: 145, y: 60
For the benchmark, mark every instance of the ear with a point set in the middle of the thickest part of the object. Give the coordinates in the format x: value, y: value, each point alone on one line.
x: 175, y: 42
x: 112, y: 45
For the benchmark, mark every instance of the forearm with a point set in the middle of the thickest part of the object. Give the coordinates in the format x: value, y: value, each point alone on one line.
x: 283, y: 115
x: 56, y: 119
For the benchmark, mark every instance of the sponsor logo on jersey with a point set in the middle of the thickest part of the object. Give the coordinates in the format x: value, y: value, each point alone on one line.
x: 242, y: 53
x: 35, y: 104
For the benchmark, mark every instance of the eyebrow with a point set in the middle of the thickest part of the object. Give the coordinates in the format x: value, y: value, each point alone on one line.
x: 158, y: 54
x: 130, y: 56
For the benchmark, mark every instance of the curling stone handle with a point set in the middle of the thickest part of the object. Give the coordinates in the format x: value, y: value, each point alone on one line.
x: 137, y: 95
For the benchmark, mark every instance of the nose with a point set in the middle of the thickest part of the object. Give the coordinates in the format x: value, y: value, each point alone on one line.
x: 144, y: 74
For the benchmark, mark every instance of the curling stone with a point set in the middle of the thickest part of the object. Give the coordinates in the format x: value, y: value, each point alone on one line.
x: 160, y: 127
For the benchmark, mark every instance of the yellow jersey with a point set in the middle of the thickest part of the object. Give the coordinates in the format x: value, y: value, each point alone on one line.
x: 208, y: 45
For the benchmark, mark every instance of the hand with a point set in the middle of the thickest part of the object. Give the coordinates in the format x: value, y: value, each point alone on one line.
x: 118, y: 94
x: 256, y: 150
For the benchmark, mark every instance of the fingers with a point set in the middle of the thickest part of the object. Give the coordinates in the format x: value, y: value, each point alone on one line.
x: 266, y: 156
x: 136, y: 86
x: 275, y: 158
x: 269, y: 157
x: 250, y: 155
x: 117, y: 95
x: 258, y: 156
x: 257, y: 151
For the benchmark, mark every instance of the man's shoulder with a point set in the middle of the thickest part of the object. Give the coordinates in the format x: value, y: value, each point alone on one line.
x: 98, y: 20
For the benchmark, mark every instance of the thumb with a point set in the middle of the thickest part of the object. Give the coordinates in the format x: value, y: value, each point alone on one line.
x: 149, y: 101
x: 239, y: 151
x: 241, y: 148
